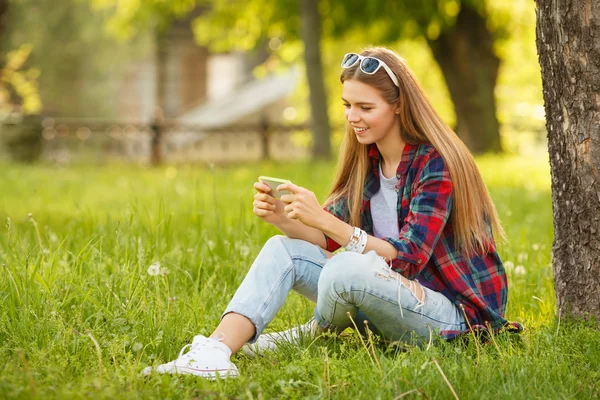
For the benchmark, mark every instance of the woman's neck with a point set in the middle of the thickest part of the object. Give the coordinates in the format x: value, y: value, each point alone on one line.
x: 390, y: 150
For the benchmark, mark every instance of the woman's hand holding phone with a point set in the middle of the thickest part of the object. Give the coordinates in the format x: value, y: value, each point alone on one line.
x: 302, y: 205
x: 266, y: 207
x: 296, y: 203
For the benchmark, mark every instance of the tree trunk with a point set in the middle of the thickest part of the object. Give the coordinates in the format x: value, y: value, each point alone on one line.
x: 3, y: 13
x: 466, y: 56
x: 3, y: 19
x: 311, y: 36
x: 160, y: 106
x: 567, y: 43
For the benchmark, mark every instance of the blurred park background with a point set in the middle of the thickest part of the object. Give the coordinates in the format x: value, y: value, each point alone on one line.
x: 192, y: 81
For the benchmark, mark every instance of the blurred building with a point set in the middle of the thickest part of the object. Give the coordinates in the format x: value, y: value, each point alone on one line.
x: 213, y: 107
x: 203, y: 93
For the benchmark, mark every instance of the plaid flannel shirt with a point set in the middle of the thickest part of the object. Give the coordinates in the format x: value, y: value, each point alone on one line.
x: 426, y: 249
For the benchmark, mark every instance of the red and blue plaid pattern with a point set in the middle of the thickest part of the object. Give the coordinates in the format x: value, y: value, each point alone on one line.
x: 426, y: 248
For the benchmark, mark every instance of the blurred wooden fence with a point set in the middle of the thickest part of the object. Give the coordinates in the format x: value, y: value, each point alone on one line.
x: 70, y: 139
x: 66, y: 140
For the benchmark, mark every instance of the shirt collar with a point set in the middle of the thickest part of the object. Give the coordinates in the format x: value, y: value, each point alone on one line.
x: 408, y: 155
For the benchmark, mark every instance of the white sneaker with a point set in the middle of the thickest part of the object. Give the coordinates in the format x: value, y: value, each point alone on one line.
x: 270, y: 341
x: 207, y: 358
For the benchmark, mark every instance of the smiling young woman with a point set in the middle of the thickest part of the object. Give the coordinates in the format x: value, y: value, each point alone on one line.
x: 410, y: 208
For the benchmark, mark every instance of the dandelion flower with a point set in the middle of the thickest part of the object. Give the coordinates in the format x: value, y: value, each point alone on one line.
x: 244, y: 251
x: 211, y: 245
x: 137, y: 346
x: 535, y: 247
x: 520, y: 270
x: 154, y: 269
x: 509, y: 265
x: 522, y: 257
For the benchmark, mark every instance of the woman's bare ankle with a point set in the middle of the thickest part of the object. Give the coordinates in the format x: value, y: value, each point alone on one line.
x: 234, y: 331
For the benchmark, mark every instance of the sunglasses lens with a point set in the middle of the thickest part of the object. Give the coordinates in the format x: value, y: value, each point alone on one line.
x: 369, y: 65
x: 349, y: 60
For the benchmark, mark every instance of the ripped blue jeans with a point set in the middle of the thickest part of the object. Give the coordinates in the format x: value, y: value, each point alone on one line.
x: 361, y: 286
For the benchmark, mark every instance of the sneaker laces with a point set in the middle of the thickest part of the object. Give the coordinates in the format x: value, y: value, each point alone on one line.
x: 310, y: 327
x: 199, y: 342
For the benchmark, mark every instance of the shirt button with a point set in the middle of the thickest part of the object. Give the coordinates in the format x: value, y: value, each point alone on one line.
x: 419, y: 261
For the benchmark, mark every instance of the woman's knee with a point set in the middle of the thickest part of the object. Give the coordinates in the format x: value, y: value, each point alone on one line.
x: 289, y: 244
x: 349, y: 262
x: 278, y: 244
x: 344, y: 270
x: 275, y: 241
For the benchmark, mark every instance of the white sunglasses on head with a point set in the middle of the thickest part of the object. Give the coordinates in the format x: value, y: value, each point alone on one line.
x: 369, y: 65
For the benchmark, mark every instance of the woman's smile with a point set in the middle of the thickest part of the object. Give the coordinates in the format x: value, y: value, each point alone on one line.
x: 359, y: 130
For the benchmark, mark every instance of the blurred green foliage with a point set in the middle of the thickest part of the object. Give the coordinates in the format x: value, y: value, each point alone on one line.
x: 518, y: 90
x: 21, y: 136
x: 130, y: 18
x: 18, y: 84
x: 79, y: 66
x: 402, y: 26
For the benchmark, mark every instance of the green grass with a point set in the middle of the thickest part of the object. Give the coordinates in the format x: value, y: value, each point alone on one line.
x: 80, y: 316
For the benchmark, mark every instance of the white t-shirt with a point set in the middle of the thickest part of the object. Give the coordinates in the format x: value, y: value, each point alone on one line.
x: 384, y: 209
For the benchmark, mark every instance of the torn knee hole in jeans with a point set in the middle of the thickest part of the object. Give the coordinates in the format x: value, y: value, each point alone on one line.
x: 386, y: 272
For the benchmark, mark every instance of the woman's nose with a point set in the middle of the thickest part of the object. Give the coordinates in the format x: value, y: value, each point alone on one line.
x: 352, y: 116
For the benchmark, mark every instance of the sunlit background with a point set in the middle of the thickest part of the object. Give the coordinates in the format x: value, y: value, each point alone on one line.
x: 218, y: 82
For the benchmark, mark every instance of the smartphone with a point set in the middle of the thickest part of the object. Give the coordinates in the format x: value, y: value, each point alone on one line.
x: 273, y: 183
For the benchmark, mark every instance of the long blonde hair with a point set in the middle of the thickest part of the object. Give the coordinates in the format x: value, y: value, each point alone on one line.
x: 473, y: 211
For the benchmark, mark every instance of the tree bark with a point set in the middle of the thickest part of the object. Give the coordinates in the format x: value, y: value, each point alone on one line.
x: 310, y: 31
x: 466, y: 56
x: 569, y: 55
x: 160, y: 106
x: 3, y: 15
